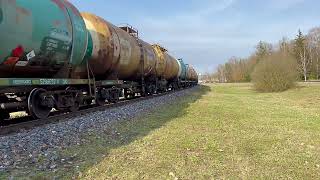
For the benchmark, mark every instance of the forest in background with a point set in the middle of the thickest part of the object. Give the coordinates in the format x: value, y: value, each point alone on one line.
x: 305, y: 49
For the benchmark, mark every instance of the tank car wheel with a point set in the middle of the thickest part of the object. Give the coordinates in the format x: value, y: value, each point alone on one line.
x: 114, y: 97
x: 155, y: 90
x: 75, y: 107
x: 101, y: 97
x: 126, y: 95
x: 100, y: 101
x: 88, y: 102
x: 36, y: 107
x: 76, y: 104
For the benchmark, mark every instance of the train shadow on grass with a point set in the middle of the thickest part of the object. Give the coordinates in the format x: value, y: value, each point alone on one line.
x: 123, y: 133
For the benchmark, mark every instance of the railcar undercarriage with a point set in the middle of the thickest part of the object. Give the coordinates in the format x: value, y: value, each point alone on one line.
x: 39, y: 100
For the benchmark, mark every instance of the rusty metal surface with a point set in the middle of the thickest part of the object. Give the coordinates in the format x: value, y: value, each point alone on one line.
x: 117, y: 52
x: 106, y: 45
x: 114, y: 50
x: 191, y: 73
x: 166, y: 65
x: 130, y: 55
x: 161, y: 61
x: 172, y: 68
x: 150, y: 59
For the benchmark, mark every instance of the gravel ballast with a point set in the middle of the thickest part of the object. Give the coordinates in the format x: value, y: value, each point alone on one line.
x: 39, y: 147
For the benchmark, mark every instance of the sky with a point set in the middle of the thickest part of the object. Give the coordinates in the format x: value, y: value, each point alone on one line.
x: 206, y: 33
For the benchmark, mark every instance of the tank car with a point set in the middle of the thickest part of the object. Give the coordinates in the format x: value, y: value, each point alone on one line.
x: 69, y: 59
x: 34, y: 45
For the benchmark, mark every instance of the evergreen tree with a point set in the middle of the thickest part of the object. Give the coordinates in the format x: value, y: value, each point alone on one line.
x: 301, y: 54
x: 299, y: 44
x: 263, y: 49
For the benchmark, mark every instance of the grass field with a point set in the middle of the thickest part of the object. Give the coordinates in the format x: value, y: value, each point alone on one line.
x: 223, y: 131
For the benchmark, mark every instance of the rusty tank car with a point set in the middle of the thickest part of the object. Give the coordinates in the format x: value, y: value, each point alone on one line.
x: 67, y: 60
x: 191, y: 73
x: 117, y: 53
x: 172, y: 68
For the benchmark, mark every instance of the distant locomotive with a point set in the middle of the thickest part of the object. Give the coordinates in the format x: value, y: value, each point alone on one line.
x: 51, y: 56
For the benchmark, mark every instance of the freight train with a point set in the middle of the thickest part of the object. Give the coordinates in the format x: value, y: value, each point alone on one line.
x: 54, y: 57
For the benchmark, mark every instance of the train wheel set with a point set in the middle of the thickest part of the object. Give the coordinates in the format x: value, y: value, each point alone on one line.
x: 70, y: 60
x: 43, y: 99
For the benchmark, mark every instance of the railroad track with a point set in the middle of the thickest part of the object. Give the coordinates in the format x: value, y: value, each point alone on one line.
x: 26, y: 123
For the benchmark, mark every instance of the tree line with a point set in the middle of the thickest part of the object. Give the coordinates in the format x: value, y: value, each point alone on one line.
x: 305, y: 49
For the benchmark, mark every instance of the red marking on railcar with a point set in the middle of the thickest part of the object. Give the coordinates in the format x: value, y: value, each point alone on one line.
x: 11, y: 61
x: 18, y: 51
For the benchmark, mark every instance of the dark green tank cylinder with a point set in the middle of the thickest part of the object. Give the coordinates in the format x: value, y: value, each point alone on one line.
x: 41, y: 38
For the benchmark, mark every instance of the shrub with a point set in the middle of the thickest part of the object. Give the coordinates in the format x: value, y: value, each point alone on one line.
x: 275, y: 73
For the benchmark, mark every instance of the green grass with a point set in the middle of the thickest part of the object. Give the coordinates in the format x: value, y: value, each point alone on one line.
x: 231, y: 132
x: 223, y: 131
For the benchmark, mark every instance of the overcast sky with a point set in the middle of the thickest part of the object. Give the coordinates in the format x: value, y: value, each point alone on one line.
x: 207, y: 32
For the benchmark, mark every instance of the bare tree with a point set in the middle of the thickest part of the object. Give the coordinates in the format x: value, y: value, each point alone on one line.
x: 221, y: 74
x: 306, y: 50
x: 314, y: 46
x: 302, y: 55
x: 284, y: 45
